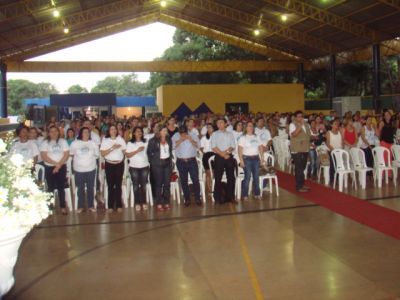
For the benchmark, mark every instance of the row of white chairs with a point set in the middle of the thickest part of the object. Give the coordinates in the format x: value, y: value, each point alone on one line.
x: 353, y: 162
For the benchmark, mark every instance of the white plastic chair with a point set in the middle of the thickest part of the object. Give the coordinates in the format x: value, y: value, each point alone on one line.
x: 238, y: 182
x: 341, y: 163
x: 322, y: 169
x: 396, y: 160
x: 360, y: 166
x: 269, y: 160
x: 175, y: 191
x: 381, y: 166
x: 39, y: 173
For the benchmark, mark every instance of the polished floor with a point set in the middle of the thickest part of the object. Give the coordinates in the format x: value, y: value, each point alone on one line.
x: 277, y: 248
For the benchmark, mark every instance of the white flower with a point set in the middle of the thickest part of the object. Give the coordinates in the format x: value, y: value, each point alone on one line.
x: 3, y: 195
x: 17, y: 159
x: 3, y: 146
x: 26, y: 184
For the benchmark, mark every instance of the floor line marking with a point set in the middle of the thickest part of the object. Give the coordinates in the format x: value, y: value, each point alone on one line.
x: 247, y: 259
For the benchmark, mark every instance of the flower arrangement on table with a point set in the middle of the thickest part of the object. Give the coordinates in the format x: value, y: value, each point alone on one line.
x: 23, y: 204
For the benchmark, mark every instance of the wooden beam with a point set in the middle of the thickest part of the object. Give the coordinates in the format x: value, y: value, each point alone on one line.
x: 149, y: 66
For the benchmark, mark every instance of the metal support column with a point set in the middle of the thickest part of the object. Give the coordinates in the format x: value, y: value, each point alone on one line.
x: 332, y: 80
x: 3, y: 90
x: 376, y: 65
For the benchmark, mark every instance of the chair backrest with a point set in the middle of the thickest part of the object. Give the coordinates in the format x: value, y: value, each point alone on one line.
x: 380, y: 153
x: 340, y: 159
x: 200, y: 165
x: 358, y: 158
x: 39, y: 173
x: 396, y: 152
x: 269, y: 159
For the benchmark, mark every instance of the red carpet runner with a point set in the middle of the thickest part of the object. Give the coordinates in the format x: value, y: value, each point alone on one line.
x: 377, y: 217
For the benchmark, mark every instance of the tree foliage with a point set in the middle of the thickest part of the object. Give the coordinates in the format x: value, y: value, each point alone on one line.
x: 20, y: 89
x: 77, y: 89
x: 125, y: 85
x: 191, y: 47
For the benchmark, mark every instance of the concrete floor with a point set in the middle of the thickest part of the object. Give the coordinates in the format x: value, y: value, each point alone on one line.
x: 271, y: 249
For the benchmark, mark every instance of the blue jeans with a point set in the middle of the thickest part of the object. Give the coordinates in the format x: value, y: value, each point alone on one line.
x: 313, y: 163
x: 191, y: 168
x: 88, y: 179
x: 251, y: 168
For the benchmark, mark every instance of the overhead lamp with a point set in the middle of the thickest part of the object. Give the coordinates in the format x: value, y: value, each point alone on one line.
x: 256, y: 32
x: 163, y: 3
x: 56, y: 13
x: 284, y: 18
x: 66, y: 30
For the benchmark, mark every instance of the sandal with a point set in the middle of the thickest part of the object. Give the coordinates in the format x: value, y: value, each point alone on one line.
x: 160, y: 208
x: 138, y: 207
x: 92, y: 209
x: 167, y: 207
x: 79, y: 210
x: 144, y: 207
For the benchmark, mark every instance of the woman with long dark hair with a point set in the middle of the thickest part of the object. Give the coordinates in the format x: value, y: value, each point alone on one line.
x: 386, y: 132
x: 159, y: 152
x: 70, y: 136
x: 85, y: 153
x: 138, y: 167
x: 113, y: 149
x: 55, y: 153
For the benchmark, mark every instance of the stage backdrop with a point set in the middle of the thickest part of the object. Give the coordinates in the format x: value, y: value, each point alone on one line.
x: 260, y: 97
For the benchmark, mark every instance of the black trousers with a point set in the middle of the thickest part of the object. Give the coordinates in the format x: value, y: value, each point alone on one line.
x: 139, y: 181
x: 222, y: 165
x: 57, y: 182
x: 162, y: 181
x: 114, y: 173
x: 369, y: 159
x: 300, y: 163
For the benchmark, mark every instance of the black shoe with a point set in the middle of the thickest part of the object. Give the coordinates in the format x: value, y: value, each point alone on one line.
x: 199, y: 203
x: 187, y: 203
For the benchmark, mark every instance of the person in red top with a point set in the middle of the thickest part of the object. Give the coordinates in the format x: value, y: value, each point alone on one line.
x: 349, y: 135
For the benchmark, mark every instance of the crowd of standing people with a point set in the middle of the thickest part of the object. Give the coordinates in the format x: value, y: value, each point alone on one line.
x: 152, y: 148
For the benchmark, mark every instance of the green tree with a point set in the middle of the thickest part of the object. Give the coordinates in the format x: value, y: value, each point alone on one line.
x: 77, y: 89
x: 20, y: 89
x: 191, y: 47
x: 125, y: 85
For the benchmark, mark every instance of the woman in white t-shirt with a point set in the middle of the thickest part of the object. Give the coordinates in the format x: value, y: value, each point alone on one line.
x: 27, y: 148
x: 55, y: 153
x: 84, y: 153
x: 136, y: 151
x: 205, y: 148
x: 113, y: 150
x: 250, y: 151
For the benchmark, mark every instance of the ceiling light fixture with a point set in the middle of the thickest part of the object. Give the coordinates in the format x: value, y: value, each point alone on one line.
x: 56, y: 13
x: 163, y: 3
x: 256, y: 32
x: 284, y: 18
x: 66, y: 30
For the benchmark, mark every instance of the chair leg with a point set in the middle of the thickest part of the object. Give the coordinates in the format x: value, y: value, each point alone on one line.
x: 68, y: 200
x: 341, y: 180
x: 276, y: 186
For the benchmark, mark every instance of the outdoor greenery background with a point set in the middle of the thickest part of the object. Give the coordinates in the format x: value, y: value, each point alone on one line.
x: 353, y: 79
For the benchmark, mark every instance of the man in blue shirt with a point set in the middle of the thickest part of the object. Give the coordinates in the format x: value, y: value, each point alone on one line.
x: 186, y: 145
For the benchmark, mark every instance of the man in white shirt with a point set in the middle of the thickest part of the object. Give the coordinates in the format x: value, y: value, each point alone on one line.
x: 93, y: 135
x: 263, y: 134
